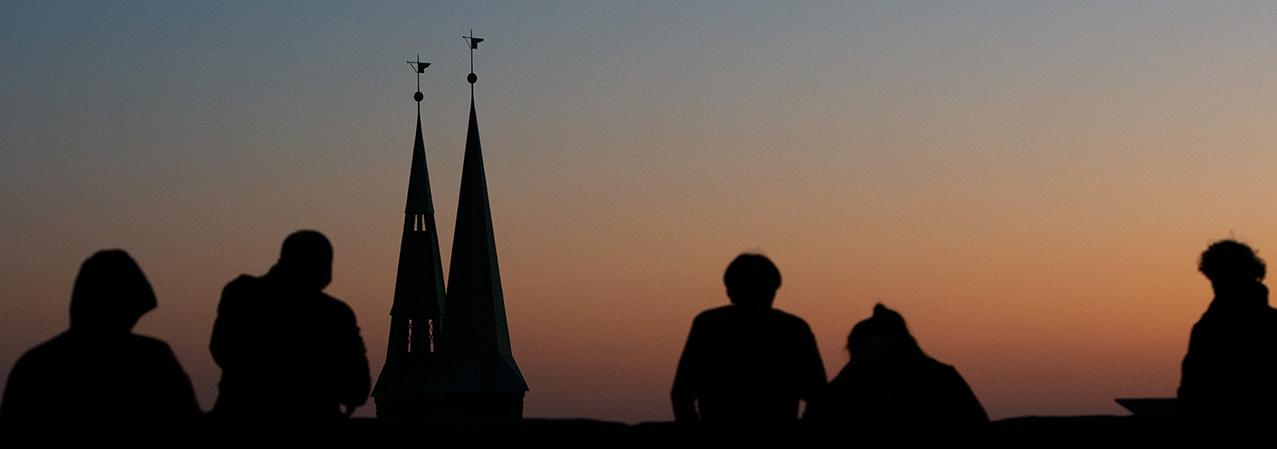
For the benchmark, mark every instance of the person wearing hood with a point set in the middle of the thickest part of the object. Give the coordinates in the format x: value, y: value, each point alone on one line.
x: 99, y: 371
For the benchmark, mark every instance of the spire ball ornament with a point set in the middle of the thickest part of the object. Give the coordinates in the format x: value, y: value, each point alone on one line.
x: 474, y: 45
x: 419, y: 67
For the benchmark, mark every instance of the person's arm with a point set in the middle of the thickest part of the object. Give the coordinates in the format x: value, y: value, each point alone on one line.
x: 1193, y: 373
x: 20, y: 395
x: 224, y: 344
x: 355, y: 381
x: 178, y: 393
x: 813, y: 380
x: 687, y: 378
x: 966, y: 405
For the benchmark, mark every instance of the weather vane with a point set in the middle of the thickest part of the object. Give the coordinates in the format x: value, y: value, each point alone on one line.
x: 420, y: 67
x: 474, y: 44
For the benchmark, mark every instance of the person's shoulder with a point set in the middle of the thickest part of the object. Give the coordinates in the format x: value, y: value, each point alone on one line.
x: 941, y: 368
x: 789, y: 319
x: 942, y: 373
x: 43, y: 351
x: 715, y: 314
x: 335, y: 306
x: 236, y: 295
x: 1211, y: 322
x: 149, y: 344
x: 240, y: 285
x: 244, y: 281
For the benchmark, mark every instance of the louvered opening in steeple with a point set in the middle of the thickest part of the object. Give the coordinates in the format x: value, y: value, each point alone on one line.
x: 421, y: 336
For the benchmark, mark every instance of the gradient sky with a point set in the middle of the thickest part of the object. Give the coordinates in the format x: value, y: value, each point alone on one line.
x: 1028, y: 183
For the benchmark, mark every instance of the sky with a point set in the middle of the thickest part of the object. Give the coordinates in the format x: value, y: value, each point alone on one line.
x: 1029, y: 183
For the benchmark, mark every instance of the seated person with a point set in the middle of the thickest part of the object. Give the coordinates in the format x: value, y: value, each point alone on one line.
x: 747, y: 363
x: 890, y: 384
x: 288, y: 351
x: 1229, y: 375
x: 99, y: 373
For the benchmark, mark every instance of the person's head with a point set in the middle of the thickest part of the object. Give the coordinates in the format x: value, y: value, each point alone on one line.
x: 1229, y: 263
x: 307, y: 258
x: 110, y: 293
x: 752, y: 280
x: 884, y: 330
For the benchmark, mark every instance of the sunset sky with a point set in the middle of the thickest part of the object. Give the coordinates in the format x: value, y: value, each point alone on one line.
x: 1028, y: 183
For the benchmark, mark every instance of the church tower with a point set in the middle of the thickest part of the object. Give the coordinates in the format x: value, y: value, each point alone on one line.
x: 475, y: 376
x: 401, y: 389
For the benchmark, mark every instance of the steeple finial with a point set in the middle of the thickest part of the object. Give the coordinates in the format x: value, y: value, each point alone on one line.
x: 420, y: 67
x: 474, y: 45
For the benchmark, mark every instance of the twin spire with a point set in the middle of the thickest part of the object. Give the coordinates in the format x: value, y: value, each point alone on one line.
x: 449, y: 353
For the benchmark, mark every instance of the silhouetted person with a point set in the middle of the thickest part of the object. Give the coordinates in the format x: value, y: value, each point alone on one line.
x: 288, y: 351
x: 1230, y: 372
x: 890, y: 385
x: 747, y: 363
x: 98, y: 373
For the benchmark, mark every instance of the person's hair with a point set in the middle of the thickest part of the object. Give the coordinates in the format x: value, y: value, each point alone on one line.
x: 306, y: 258
x: 883, y: 323
x: 1229, y: 260
x: 305, y: 246
x: 751, y: 278
x: 110, y: 292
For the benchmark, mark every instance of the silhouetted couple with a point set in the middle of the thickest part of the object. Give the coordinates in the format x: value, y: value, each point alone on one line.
x: 1229, y: 375
x: 747, y: 364
x: 288, y: 351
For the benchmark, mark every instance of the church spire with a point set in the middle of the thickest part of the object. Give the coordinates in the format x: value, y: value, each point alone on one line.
x: 476, y: 356
x: 419, y: 291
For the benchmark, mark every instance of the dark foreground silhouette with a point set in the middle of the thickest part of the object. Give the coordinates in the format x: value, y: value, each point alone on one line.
x: 291, y: 353
x: 98, y: 373
x: 747, y: 363
x: 287, y: 350
x: 1230, y: 371
x: 889, y: 384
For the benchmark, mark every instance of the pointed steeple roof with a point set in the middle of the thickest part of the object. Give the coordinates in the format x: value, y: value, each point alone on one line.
x: 419, y: 201
x: 419, y: 288
x: 476, y: 354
